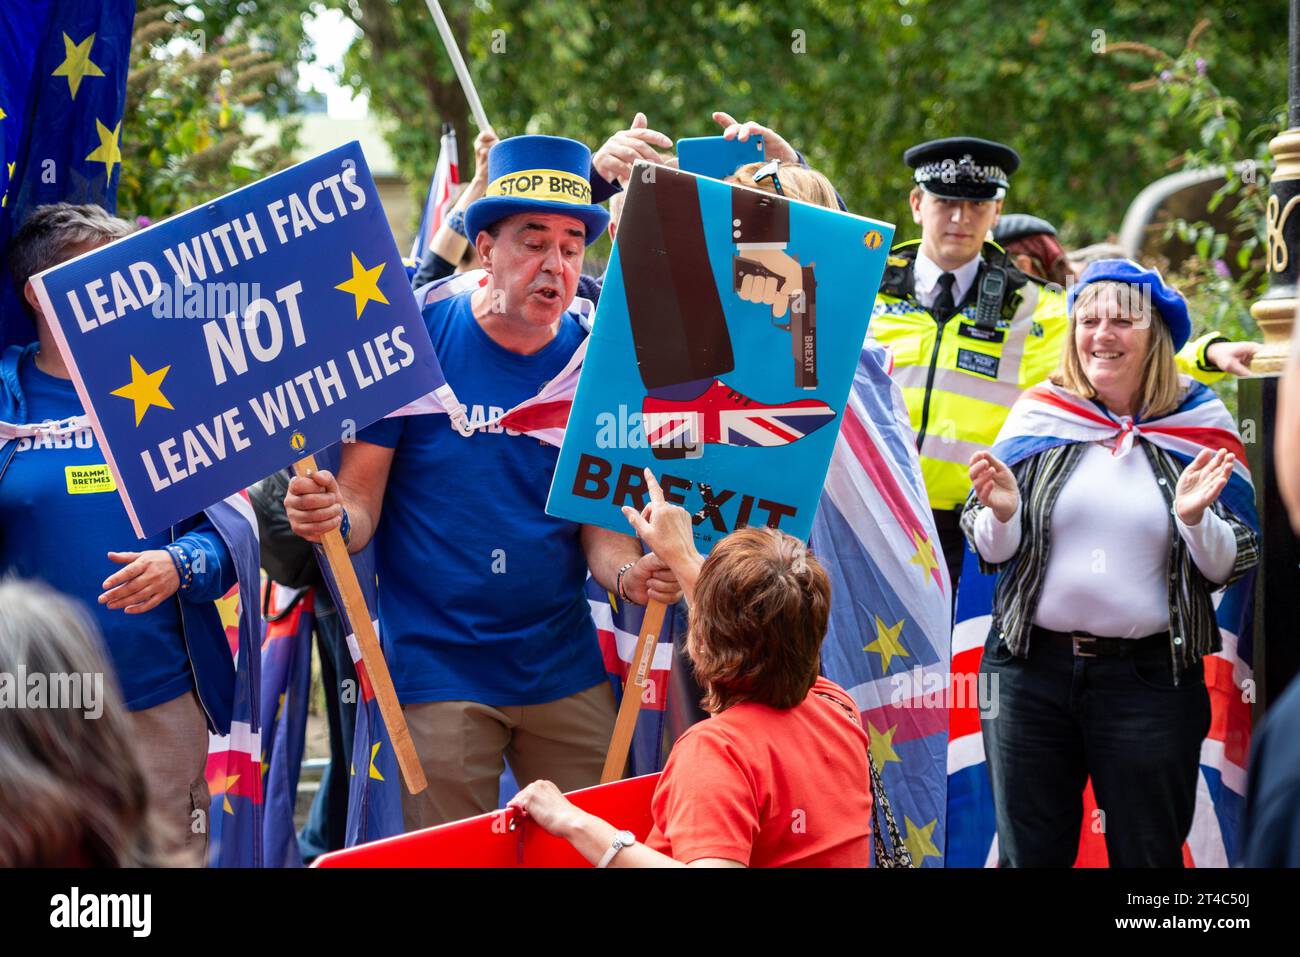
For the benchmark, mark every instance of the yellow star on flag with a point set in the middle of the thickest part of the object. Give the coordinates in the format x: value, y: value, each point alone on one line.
x: 109, y: 150
x: 144, y: 389
x: 374, y: 771
x: 3, y: 114
x: 925, y: 556
x: 225, y: 793
x: 882, y: 745
x: 76, y: 63
x: 919, y: 841
x: 887, y: 644
x: 364, y: 284
x: 229, y: 609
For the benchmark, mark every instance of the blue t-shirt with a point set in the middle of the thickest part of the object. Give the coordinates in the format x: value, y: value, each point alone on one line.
x: 60, y: 515
x: 480, y: 591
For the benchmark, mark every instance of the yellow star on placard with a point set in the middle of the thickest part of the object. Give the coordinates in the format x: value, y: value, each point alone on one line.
x: 925, y: 556
x: 144, y: 389
x: 109, y: 150
x: 229, y: 609
x: 364, y: 284
x: 374, y: 771
x: 887, y: 644
x: 882, y: 745
x: 919, y: 841
x: 76, y: 63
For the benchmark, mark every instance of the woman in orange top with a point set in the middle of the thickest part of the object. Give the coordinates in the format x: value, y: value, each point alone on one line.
x: 779, y: 776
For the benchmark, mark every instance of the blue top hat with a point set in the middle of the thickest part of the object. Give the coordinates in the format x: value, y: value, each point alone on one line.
x: 538, y: 174
x: 1169, y: 302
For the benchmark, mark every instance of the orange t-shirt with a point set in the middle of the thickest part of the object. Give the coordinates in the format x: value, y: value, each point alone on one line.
x: 769, y: 787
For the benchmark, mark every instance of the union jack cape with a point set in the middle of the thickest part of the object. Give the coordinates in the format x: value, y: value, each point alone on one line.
x: 1044, y: 417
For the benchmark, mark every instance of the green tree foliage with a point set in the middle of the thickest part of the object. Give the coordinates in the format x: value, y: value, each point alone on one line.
x: 851, y: 84
x: 189, y: 86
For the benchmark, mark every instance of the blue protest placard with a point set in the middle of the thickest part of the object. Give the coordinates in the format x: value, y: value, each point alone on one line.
x: 721, y: 356
x: 213, y: 348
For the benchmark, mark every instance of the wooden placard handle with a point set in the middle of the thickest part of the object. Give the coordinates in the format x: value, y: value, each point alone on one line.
x: 354, y: 603
x: 638, y: 675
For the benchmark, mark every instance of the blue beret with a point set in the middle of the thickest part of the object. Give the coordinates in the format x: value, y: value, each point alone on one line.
x: 1169, y: 302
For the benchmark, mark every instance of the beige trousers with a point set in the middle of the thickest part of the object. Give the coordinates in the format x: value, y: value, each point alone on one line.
x: 462, y: 744
x: 172, y: 744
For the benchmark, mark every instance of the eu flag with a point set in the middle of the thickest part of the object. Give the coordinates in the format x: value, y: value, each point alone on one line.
x: 63, y: 67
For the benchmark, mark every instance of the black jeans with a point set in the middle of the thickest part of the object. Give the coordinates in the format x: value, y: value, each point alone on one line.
x: 1060, y: 719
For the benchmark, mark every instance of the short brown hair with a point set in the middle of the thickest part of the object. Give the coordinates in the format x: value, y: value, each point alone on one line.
x: 1162, y: 388
x: 50, y: 232
x: 762, y: 604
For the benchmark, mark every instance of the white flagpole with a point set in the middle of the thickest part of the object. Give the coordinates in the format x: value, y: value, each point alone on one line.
x: 458, y: 63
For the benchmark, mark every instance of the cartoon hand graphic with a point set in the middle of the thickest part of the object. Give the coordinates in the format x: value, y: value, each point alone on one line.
x: 769, y: 276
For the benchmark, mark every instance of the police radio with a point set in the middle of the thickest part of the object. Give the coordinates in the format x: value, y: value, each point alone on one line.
x: 993, y: 287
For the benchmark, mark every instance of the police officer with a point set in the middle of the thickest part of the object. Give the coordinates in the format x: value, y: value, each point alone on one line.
x: 968, y: 330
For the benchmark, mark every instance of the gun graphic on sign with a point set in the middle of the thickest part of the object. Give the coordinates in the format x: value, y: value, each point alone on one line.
x: 803, y: 318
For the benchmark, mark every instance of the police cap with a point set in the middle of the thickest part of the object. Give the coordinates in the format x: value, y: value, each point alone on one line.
x: 963, y: 167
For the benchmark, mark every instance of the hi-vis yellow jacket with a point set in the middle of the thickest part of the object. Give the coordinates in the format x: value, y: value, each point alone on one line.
x: 960, y: 380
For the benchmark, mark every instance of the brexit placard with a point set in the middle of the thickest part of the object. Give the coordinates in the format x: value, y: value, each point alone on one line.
x: 216, y: 347
x: 721, y: 356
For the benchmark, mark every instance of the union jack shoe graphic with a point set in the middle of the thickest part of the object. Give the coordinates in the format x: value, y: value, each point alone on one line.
x: 723, y: 416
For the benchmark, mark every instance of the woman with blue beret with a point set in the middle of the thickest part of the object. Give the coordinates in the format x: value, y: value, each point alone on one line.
x: 1114, y: 504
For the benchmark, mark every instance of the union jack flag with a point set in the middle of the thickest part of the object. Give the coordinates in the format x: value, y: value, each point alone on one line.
x: 723, y: 415
x: 234, y: 767
x: 441, y: 193
x: 887, y: 644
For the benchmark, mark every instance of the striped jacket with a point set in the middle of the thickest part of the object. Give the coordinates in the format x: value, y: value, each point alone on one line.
x: 1193, y: 630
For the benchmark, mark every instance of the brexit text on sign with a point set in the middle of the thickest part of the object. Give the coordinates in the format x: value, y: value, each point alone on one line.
x: 214, y: 348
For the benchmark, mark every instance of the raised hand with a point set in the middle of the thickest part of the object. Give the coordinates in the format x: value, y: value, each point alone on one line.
x: 669, y: 531
x: 994, y: 485
x: 1200, y: 484
x: 774, y: 146
x: 614, y: 160
x: 483, y: 144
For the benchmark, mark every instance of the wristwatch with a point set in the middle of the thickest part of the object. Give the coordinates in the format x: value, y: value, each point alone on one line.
x: 618, y: 582
x: 621, y: 840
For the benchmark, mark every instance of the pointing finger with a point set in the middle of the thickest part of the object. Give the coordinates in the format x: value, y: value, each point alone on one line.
x: 635, y: 520
x: 656, y: 493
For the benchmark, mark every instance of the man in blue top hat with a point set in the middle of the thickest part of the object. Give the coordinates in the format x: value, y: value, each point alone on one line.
x: 481, y: 603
